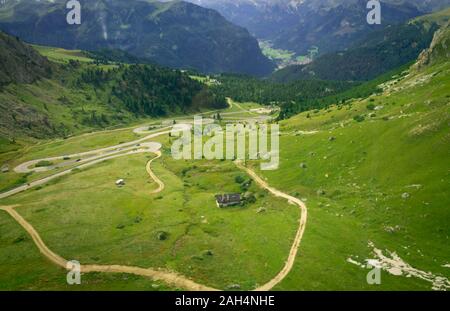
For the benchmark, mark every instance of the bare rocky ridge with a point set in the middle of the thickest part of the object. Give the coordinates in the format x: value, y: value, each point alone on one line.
x: 439, y: 48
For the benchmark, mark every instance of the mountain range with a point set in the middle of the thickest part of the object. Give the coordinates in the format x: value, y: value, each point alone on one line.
x: 379, y: 52
x: 175, y: 34
x: 329, y: 25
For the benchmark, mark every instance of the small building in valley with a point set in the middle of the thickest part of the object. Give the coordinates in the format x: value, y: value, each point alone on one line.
x: 225, y: 200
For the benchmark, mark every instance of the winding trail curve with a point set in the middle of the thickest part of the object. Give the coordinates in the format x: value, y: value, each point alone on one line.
x: 169, y: 277
x: 298, y: 237
x: 158, y: 275
x: 153, y: 176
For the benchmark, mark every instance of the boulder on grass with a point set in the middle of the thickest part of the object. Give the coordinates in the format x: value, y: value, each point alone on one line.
x: 320, y: 192
x: 162, y: 235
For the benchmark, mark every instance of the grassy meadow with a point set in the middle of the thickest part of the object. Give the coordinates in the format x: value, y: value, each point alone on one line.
x: 85, y: 217
x: 369, y: 170
x: 381, y: 177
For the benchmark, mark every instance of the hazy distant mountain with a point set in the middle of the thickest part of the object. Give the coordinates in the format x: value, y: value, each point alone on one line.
x: 380, y: 52
x: 263, y: 18
x: 175, y: 34
x: 330, y: 25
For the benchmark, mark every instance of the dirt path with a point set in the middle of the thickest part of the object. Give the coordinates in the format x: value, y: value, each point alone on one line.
x: 55, y: 258
x: 153, y: 176
x: 298, y: 237
x: 169, y: 277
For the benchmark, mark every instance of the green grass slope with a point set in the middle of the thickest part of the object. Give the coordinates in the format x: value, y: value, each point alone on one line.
x: 25, y: 269
x: 372, y: 171
x: 376, y: 171
x: 87, y: 218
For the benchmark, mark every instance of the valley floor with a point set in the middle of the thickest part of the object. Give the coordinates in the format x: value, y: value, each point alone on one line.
x: 373, y: 173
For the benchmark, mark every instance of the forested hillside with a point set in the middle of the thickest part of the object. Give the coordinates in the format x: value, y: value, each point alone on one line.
x: 298, y: 96
x: 148, y: 90
x: 361, y: 90
x: 248, y: 89
x: 41, y: 99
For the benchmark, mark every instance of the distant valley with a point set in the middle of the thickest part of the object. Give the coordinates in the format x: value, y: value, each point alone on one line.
x: 329, y: 25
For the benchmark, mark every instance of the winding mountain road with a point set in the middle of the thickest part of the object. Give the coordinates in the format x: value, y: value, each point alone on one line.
x: 140, y: 146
